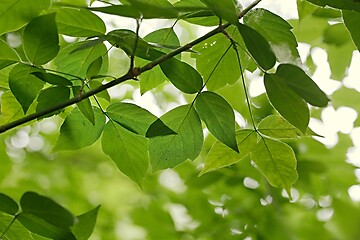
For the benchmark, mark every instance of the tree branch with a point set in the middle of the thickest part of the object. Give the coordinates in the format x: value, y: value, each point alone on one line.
x: 133, y: 73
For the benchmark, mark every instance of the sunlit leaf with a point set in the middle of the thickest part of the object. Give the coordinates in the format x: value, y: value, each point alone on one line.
x: 16, y: 13
x: 218, y: 116
x: 169, y: 151
x: 104, y: 94
x: 129, y: 151
x: 24, y: 85
x: 337, y: 34
x: 8, y: 55
x: 11, y: 109
x: 17, y: 231
x: 85, y: 105
x: 77, y: 63
x: 224, y: 9
x: 42, y: 227
x: 341, y: 4
x: 79, y: 23
x: 275, y: 30
x: 351, y: 20
x: 94, y: 68
x: 277, y: 127
x: 78, y: 132
x: 276, y: 161
x: 221, y: 155
x: 258, y: 47
x: 85, y: 224
x: 131, y: 117
x: 53, y: 79
x: 301, y: 84
x: 40, y: 39
x: 8, y: 205
x: 287, y: 102
x: 46, y: 99
x: 182, y: 75
x: 158, y: 128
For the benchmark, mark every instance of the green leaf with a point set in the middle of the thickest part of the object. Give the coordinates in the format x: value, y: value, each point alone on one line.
x: 341, y: 4
x: 301, y: 84
x: 47, y: 209
x: 8, y: 205
x: 351, y: 20
x: 103, y: 94
x: 216, y: 61
x: 24, y: 85
x: 153, y: 78
x: 277, y: 127
x: 223, y: 9
x: 53, y: 79
x: 339, y: 58
x: 40, y: 39
x: 85, y: 105
x: 79, y: 23
x: 258, y: 47
x: 78, y: 132
x: 129, y: 151
x: 94, y: 68
x: 16, y: 13
x: 8, y: 55
x: 182, y: 75
x: 131, y: 117
x: 42, y: 227
x: 287, y: 102
x: 85, y: 224
x: 16, y: 232
x: 158, y: 128
x: 11, y: 109
x: 275, y: 30
x: 169, y: 151
x: 77, y: 63
x: 221, y: 155
x: 337, y: 34
x: 276, y: 161
x: 50, y: 97
x: 218, y: 116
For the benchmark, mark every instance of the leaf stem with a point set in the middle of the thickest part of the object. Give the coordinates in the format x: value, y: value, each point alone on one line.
x: 132, y: 74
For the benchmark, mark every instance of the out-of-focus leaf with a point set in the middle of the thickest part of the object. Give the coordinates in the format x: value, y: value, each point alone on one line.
x: 351, y: 20
x: 40, y: 39
x: 339, y: 58
x: 221, y: 156
x: 277, y: 127
x: 129, y: 151
x: 8, y: 55
x: 79, y: 22
x: 341, y: 4
x: 277, y: 31
x: 24, y: 85
x: 258, y: 47
x: 16, y: 13
x: 50, y: 97
x: 287, y: 102
x: 94, y: 68
x: 169, y: 151
x: 8, y: 205
x: 85, y: 224
x: 78, y: 132
x: 276, y: 161
x: 337, y: 34
x: 218, y: 116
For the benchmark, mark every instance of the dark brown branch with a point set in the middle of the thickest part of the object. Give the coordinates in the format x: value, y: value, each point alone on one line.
x: 133, y: 73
